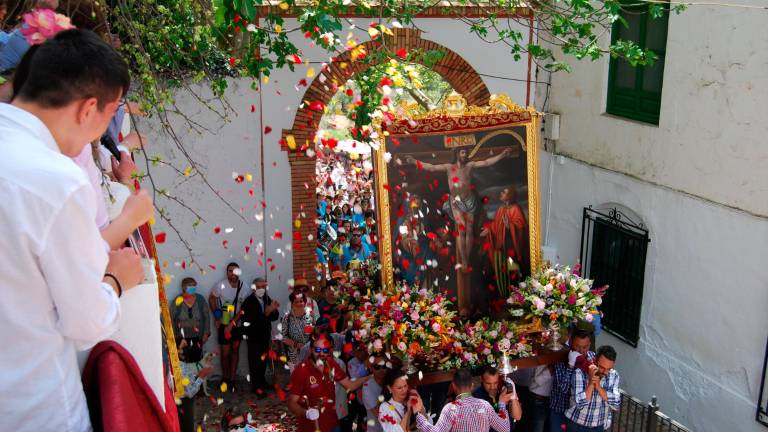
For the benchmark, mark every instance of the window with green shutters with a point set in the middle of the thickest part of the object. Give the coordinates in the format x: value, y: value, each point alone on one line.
x: 634, y: 92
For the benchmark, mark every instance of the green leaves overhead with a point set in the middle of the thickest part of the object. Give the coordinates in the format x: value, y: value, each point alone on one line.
x: 172, y: 43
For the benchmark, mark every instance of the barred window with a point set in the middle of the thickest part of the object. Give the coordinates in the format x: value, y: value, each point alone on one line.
x: 613, y: 253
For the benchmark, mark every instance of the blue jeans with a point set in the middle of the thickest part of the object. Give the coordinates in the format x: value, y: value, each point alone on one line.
x: 573, y: 427
x: 556, y: 421
x: 540, y: 414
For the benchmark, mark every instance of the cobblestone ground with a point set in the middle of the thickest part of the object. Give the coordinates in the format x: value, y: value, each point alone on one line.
x: 269, y: 414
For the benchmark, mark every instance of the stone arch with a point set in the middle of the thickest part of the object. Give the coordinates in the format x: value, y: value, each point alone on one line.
x: 452, y: 67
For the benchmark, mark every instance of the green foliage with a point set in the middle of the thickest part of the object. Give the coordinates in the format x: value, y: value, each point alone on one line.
x: 417, y: 84
x: 169, y: 43
x: 172, y: 43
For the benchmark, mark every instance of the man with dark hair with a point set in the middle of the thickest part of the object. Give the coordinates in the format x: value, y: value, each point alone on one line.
x: 490, y: 390
x: 60, y: 288
x: 225, y: 301
x: 259, y: 312
x: 356, y: 250
x: 467, y: 413
x: 594, y: 394
x: 560, y: 396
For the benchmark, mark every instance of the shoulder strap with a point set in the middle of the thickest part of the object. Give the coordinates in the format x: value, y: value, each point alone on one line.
x: 237, y: 295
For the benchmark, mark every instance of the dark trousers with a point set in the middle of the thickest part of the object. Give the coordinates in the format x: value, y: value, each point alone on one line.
x: 540, y: 413
x: 574, y: 427
x: 526, y: 403
x: 186, y: 412
x: 556, y: 421
x: 357, y: 412
x: 434, y: 396
x: 257, y: 364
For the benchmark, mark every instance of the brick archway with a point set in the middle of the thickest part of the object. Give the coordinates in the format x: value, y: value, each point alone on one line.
x: 452, y: 67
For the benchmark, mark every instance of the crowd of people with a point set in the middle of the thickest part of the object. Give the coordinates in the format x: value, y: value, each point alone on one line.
x: 346, y: 229
x: 68, y: 214
x: 338, y: 384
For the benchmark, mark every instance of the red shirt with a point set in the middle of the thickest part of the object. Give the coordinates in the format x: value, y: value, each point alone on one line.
x: 311, y: 385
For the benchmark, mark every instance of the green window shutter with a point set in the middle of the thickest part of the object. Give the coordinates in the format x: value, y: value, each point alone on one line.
x: 635, y: 92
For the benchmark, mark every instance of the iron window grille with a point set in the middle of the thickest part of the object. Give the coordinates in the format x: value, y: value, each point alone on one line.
x: 762, y: 403
x: 613, y: 253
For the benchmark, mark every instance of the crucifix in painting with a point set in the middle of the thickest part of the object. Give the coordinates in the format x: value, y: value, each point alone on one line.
x: 462, y: 201
x: 461, y: 198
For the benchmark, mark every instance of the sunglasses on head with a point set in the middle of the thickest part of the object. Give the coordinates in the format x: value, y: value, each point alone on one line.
x: 319, y: 350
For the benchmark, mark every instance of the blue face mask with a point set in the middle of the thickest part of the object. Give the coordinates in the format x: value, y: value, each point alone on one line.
x: 191, y: 289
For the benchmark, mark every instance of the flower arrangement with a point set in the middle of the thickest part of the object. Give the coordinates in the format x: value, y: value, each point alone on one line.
x: 485, y: 341
x: 557, y: 295
x: 43, y: 24
x: 421, y: 325
x: 407, y: 322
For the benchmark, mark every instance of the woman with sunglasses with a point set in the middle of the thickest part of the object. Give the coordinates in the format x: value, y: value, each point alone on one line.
x: 294, y: 325
x: 395, y: 413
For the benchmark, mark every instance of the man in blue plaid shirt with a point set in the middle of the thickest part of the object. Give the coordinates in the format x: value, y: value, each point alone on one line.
x: 560, y: 398
x: 594, y: 394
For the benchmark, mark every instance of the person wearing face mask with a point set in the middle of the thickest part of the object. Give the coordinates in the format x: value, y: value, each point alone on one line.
x: 190, y: 316
x: 259, y: 311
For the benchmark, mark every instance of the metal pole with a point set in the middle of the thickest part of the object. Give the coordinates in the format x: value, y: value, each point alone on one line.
x: 653, y: 407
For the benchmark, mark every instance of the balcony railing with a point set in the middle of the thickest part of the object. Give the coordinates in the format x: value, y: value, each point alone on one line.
x: 638, y: 416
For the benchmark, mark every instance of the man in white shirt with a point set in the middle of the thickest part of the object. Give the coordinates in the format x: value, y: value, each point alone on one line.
x: 225, y: 301
x: 55, y: 297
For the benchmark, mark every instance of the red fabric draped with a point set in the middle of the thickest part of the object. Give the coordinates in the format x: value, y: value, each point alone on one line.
x: 518, y: 231
x: 119, y: 399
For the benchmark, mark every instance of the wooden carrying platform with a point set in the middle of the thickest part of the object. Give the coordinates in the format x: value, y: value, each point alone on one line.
x: 522, y: 363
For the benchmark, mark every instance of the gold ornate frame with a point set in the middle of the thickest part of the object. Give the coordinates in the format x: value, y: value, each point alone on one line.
x: 456, y: 116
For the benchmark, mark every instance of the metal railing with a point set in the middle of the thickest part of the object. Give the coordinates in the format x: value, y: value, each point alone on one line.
x: 638, y: 416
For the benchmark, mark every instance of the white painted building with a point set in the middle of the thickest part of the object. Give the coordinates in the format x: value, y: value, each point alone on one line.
x: 697, y: 181
x: 240, y: 146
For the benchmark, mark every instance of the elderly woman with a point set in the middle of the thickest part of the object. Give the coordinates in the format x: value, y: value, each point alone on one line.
x: 293, y: 326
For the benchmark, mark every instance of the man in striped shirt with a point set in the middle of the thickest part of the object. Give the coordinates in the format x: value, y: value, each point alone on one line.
x: 594, y: 394
x: 466, y: 413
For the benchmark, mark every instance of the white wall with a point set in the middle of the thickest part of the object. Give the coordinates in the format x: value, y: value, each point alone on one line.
x: 236, y: 146
x: 703, y: 321
x: 703, y: 324
x: 710, y: 141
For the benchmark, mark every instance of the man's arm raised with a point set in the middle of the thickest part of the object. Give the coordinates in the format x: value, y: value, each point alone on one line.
x: 491, y: 160
x: 425, y: 165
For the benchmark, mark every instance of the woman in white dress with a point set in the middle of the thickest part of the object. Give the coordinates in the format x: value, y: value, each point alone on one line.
x: 395, y: 412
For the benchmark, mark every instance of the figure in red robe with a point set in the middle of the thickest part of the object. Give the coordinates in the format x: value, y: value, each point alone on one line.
x: 508, y: 238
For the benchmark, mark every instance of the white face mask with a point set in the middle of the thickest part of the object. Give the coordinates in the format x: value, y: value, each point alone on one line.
x: 260, y: 292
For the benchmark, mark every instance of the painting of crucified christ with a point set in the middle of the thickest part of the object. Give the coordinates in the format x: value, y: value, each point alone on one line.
x: 462, y: 200
x: 459, y: 212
